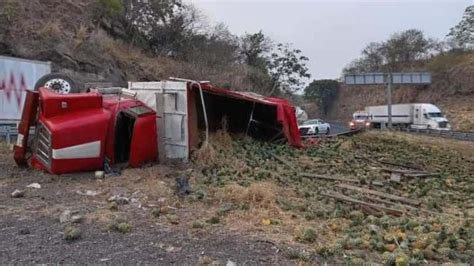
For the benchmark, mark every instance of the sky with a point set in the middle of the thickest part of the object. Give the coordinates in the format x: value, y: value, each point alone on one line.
x: 332, y: 33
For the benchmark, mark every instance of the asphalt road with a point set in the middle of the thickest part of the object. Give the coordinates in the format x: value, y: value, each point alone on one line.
x: 338, y: 127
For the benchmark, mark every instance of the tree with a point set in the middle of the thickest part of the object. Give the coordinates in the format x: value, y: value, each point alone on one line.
x: 401, y: 48
x: 217, y: 48
x: 166, y: 25
x: 287, y: 68
x: 463, y: 33
x: 373, y: 56
x: 254, y: 48
x: 324, y: 91
x: 406, y: 47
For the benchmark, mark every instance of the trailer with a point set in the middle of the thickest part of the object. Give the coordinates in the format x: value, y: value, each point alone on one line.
x: 412, y: 115
x: 17, y: 76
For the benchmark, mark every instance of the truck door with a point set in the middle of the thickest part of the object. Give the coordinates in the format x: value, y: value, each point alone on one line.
x: 169, y: 100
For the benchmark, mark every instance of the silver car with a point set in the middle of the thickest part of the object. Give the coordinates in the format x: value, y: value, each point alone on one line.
x: 314, y: 127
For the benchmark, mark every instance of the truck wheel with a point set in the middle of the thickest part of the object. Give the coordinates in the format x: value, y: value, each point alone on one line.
x: 328, y: 131
x: 316, y: 131
x: 59, y: 83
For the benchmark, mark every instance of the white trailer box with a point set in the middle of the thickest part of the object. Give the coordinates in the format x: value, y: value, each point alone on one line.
x: 401, y: 113
x: 16, y: 76
x: 414, y: 115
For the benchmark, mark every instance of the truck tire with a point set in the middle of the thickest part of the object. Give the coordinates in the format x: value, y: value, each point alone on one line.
x: 59, y: 83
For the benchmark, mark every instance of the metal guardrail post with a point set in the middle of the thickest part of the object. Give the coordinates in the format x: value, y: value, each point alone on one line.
x: 8, y: 136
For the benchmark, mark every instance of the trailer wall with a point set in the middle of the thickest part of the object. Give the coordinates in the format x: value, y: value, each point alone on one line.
x: 16, y: 77
x: 401, y: 113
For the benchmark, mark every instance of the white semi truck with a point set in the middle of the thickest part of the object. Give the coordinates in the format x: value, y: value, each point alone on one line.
x: 413, y: 115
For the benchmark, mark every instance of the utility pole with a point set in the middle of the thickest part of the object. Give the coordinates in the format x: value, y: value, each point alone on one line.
x: 389, y: 99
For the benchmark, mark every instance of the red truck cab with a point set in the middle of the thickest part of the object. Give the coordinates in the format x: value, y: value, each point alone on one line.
x: 360, y: 120
x: 79, y: 131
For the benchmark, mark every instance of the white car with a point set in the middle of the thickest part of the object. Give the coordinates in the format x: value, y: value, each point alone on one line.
x: 314, y: 127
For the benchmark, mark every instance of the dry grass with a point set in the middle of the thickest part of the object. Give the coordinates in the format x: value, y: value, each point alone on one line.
x: 256, y: 196
x: 82, y: 33
x: 213, y: 152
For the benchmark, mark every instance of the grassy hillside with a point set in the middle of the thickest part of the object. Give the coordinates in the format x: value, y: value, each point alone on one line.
x: 80, y: 40
x: 452, y: 90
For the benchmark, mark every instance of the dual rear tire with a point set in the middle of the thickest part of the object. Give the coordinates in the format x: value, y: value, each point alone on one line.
x: 59, y: 83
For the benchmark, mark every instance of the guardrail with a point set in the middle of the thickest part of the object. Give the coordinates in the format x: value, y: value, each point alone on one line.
x: 8, y: 133
x: 459, y: 135
x: 341, y: 133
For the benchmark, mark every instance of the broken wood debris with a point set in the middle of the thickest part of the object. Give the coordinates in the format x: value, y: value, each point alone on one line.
x: 400, y: 165
x: 281, y: 160
x: 380, y: 194
x: 382, y: 162
x: 342, y: 179
x: 397, y: 204
x: 409, y: 173
x: 338, y: 196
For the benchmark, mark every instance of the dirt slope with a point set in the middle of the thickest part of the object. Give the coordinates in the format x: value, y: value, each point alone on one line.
x: 75, y: 40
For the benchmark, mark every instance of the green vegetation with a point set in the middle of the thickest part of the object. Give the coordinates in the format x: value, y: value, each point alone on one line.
x: 324, y: 91
x: 308, y: 235
x: 247, y: 176
x: 463, y: 33
x: 119, y: 226
x: 72, y: 233
x: 401, y: 49
x: 111, y: 8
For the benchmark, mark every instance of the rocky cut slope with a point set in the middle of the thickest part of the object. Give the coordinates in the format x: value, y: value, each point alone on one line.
x: 452, y: 90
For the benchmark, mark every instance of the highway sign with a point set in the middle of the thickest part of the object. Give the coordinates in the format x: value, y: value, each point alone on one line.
x: 365, y: 79
x: 410, y: 78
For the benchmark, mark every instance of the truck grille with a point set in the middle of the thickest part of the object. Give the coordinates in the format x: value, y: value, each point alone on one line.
x: 304, y: 131
x: 443, y: 124
x: 43, y: 145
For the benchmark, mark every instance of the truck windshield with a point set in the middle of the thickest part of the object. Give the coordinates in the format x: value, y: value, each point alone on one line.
x: 361, y: 117
x: 435, y: 114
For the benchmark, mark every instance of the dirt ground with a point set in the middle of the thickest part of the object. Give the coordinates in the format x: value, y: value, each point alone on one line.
x: 32, y: 233
x: 251, y: 203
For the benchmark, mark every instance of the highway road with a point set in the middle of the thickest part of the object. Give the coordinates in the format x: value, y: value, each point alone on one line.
x: 336, y: 128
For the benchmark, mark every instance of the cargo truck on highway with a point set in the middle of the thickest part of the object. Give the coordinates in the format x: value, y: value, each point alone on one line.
x: 413, y: 115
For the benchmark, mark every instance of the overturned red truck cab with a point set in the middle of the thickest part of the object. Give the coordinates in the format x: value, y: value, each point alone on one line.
x: 76, y: 132
x: 83, y: 131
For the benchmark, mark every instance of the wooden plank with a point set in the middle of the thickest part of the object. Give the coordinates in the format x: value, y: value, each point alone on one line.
x: 380, y: 194
x: 281, y: 160
x: 329, y: 177
x: 370, y: 198
x: 422, y: 174
x: 400, y: 165
x: 387, y: 210
x: 402, y: 171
